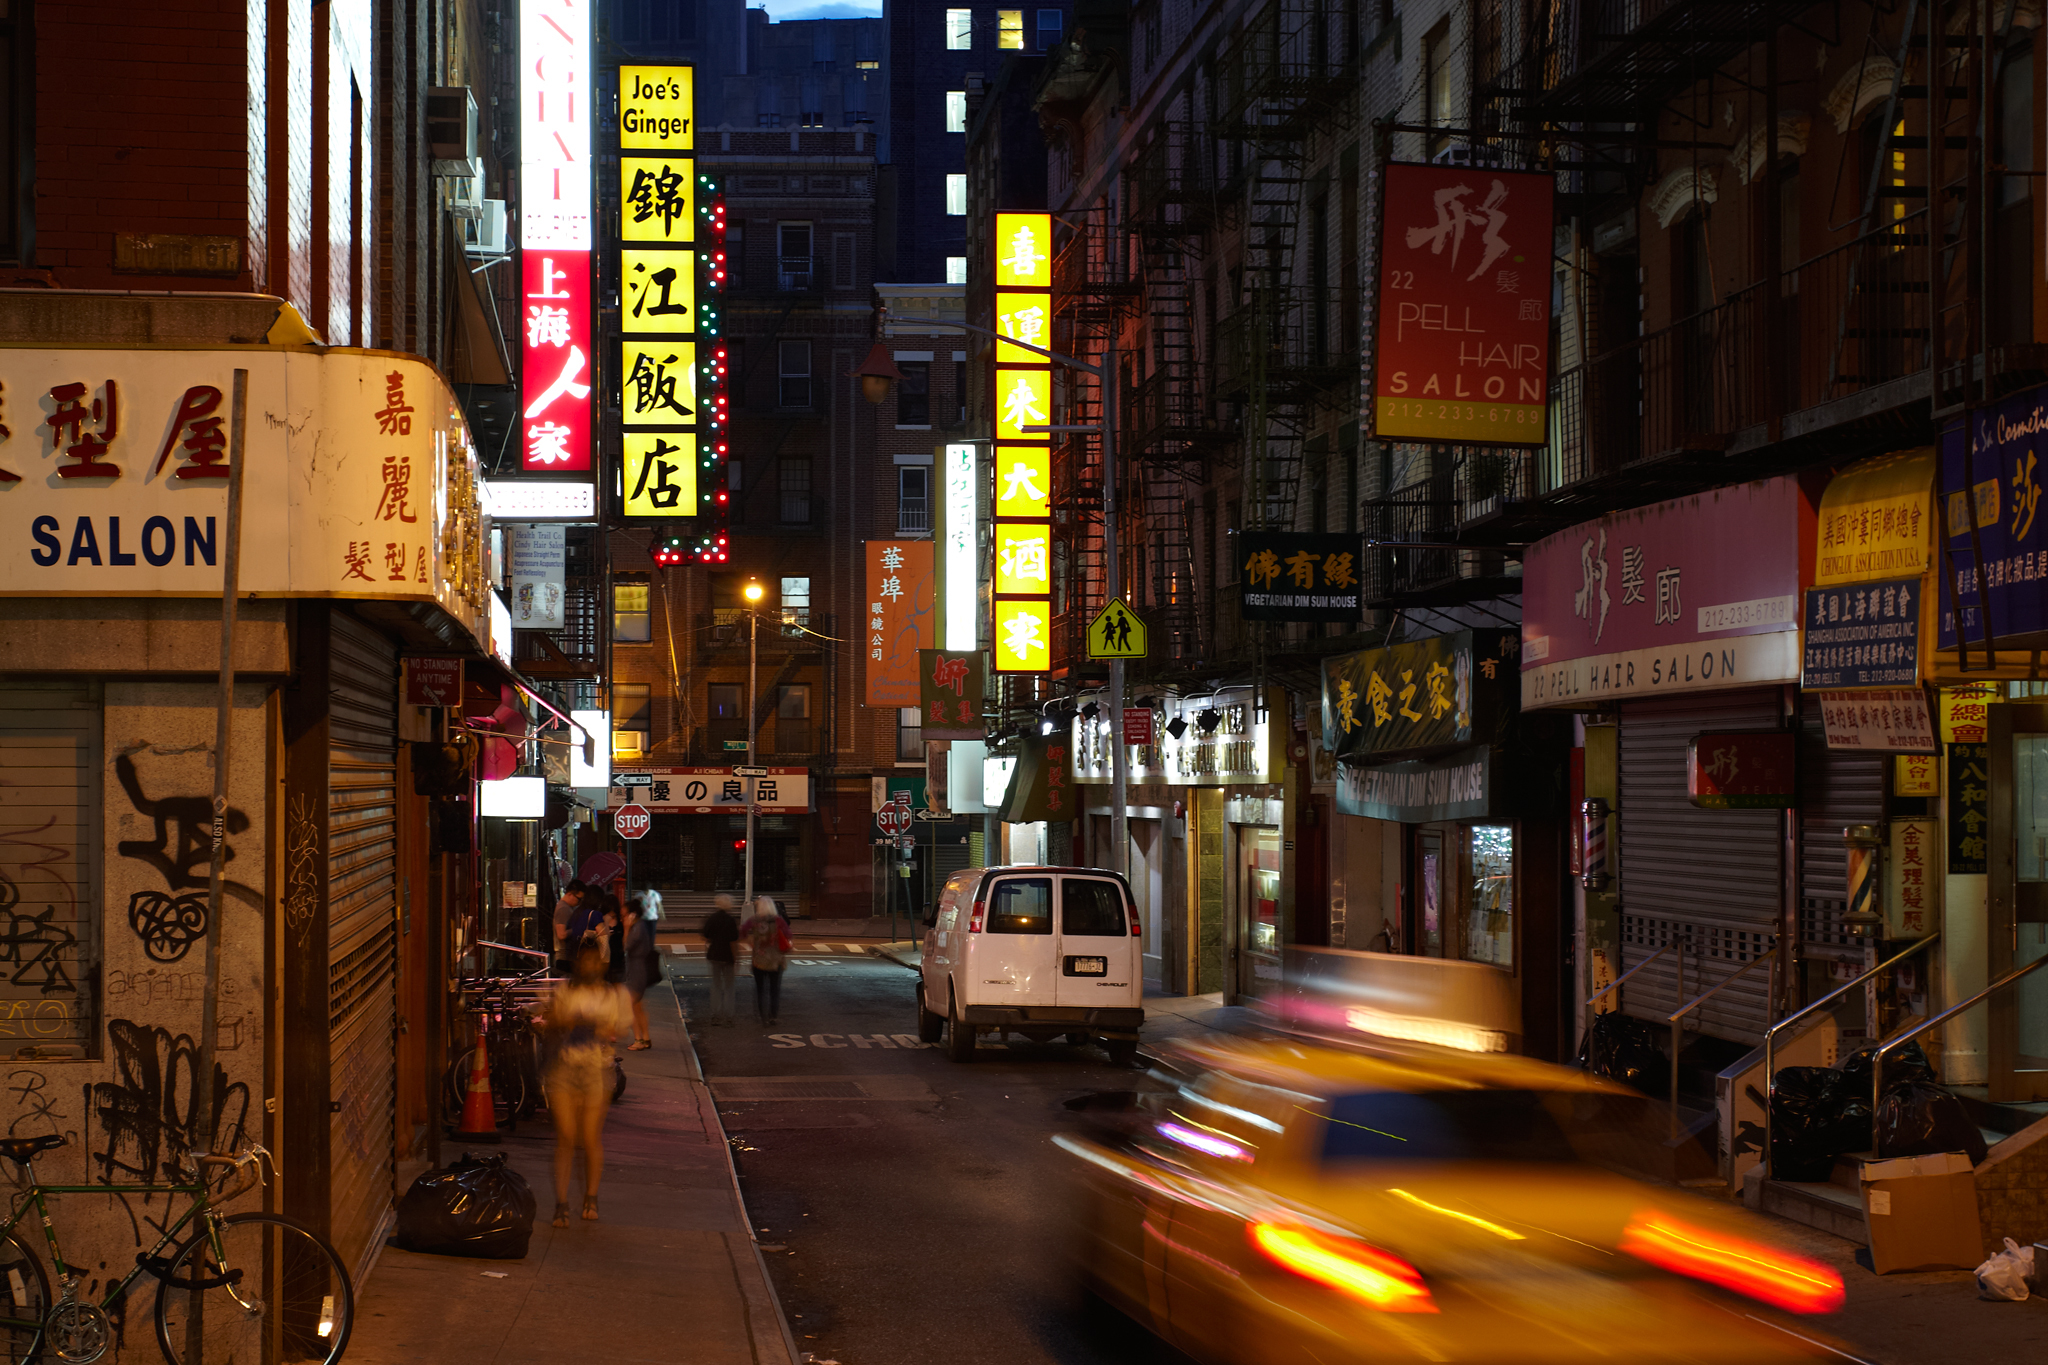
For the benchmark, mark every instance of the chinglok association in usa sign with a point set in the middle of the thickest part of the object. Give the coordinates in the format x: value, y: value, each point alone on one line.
x: 1461, y: 337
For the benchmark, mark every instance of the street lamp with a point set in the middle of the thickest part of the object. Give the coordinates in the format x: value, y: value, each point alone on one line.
x: 753, y: 592
x: 875, y: 387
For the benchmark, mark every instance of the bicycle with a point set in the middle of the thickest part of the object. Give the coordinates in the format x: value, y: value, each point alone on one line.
x: 241, y: 1287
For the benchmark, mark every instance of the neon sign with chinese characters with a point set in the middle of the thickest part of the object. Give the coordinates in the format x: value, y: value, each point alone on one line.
x: 658, y: 281
x: 1022, y: 577
x: 557, y: 373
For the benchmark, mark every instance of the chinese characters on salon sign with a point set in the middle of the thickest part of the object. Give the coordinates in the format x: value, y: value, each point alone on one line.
x: 1021, y: 597
x: 1462, y: 331
x: 386, y: 504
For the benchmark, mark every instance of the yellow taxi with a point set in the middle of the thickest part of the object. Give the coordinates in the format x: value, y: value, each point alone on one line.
x: 1293, y: 1200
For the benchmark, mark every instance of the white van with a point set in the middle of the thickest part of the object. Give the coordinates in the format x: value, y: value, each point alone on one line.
x: 1046, y: 952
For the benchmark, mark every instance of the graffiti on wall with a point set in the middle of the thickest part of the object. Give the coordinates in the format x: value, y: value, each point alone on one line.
x: 301, y: 865
x: 147, y: 1114
x: 169, y: 922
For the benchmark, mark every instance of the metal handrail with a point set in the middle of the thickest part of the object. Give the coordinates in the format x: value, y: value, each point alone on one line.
x: 1900, y: 1040
x: 1676, y: 1018
x: 1771, y: 1034
x: 1594, y: 998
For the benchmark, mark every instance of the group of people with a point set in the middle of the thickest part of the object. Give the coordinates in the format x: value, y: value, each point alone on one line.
x: 609, y: 957
x: 766, y: 934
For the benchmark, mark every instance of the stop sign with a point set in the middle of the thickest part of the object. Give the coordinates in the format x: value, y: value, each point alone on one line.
x: 632, y: 821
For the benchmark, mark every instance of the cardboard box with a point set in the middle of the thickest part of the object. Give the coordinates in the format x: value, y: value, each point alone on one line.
x: 1921, y: 1213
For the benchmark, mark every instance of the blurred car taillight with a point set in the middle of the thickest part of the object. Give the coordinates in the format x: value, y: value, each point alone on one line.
x: 1131, y: 909
x: 1376, y: 1278
x: 980, y: 913
x: 1774, y: 1277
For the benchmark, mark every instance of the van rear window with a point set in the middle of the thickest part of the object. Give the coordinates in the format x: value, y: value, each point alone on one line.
x: 1092, y: 908
x: 1021, y: 905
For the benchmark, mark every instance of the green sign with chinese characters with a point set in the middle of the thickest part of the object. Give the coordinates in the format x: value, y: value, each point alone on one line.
x: 1969, y: 809
x: 1426, y: 694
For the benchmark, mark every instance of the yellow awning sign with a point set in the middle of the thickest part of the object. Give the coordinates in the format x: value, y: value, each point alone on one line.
x: 1877, y: 520
x: 1117, y: 632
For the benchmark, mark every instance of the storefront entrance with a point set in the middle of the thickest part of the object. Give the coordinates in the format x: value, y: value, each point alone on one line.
x: 1258, y: 899
x: 2017, y: 927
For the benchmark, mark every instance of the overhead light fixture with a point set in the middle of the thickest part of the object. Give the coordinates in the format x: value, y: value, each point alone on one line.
x: 1176, y: 727
x: 1046, y: 726
x: 1209, y: 719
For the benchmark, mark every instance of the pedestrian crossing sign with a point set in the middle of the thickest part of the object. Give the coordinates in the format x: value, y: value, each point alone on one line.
x: 1117, y: 633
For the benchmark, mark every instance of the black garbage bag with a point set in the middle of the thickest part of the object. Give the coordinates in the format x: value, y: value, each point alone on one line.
x: 1903, y: 1067
x: 1806, y: 1124
x: 1921, y: 1117
x: 481, y: 1208
x: 1623, y: 1048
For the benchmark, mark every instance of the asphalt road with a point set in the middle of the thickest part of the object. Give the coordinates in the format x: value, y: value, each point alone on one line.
x: 908, y: 1206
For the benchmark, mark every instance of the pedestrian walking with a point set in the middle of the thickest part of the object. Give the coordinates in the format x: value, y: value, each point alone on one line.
x: 768, y: 937
x: 643, y: 969
x: 721, y: 931
x: 611, y: 931
x: 582, y: 1021
x: 565, y: 912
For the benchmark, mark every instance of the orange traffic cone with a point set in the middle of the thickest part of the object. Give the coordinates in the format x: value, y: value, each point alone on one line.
x: 479, y: 1112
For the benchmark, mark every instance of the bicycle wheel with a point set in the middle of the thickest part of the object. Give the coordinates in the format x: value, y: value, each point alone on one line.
x: 509, y: 1095
x: 268, y: 1290
x: 24, y: 1302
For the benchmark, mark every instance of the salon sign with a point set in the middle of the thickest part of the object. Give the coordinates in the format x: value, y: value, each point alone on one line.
x: 358, y: 479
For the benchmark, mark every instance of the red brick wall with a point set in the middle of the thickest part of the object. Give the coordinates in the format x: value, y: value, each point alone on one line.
x: 141, y: 125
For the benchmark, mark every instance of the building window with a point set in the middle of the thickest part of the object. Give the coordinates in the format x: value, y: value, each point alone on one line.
x: 796, y: 490
x: 960, y: 388
x: 910, y: 734
x: 913, y: 498
x: 1436, y: 82
x: 1051, y: 23
x: 793, y: 255
x: 793, y: 374
x: 1010, y: 29
x: 842, y: 260
x: 793, y: 718
x: 725, y: 716
x: 956, y: 270
x: 959, y: 29
x: 1490, y: 936
x: 956, y: 195
x: 631, y: 620
x: 873, y: 66
x: 796, y: 605
x: 914, y: 394
x: 632, y: 717
x: 956, y: 111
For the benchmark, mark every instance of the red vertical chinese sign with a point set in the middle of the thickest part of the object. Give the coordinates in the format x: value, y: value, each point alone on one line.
x: 558, y: 373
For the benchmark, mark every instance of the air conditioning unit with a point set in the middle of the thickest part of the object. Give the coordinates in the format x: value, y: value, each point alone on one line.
x: 451, y: 129
x: 487, y: 235
x: 628, y: 743
x: 467, y: 197
x: 727, y: 634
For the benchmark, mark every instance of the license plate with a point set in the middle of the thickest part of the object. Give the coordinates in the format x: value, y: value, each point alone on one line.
x: 1088, y: 966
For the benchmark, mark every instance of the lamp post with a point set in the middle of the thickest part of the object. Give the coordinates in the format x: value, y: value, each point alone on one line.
x: 752, y: 592
x: 874, y: 387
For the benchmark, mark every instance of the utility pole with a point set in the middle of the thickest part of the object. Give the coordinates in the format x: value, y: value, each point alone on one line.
x: 753, y: 594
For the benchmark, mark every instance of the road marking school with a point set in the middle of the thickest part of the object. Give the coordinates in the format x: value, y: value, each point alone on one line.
x: 830, y: 1041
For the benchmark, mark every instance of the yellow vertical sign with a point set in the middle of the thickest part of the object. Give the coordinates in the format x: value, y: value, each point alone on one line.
x: 657, y: 274
x: 1022, y: 573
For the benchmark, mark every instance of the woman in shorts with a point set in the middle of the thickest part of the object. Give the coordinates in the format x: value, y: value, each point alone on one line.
x: 582, y: 1020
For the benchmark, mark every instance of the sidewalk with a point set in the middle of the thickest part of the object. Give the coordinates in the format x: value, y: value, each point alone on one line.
x: 670, y: 1273
x: 676, y: 926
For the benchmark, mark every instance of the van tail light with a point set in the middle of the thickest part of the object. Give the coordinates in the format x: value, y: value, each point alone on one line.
x: 980, y: 913
x: 1763, y: 1273
x: 1376, y: 1278
x: 1131, y: 909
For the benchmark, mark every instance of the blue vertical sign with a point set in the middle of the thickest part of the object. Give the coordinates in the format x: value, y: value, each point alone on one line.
x: 1992, y: 471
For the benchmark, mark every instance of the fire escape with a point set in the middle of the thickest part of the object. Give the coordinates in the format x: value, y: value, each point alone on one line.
x: 1286, y: 84
x: 1093, y: 291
